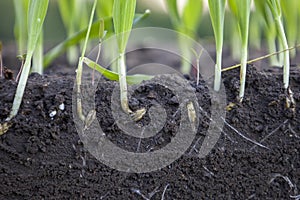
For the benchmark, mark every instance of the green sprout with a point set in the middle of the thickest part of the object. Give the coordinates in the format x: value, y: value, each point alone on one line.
x: 21, y: 32
x: 105, y: 8
x: 80, y: 63
x: 276, y: 11
x: 36, y: 15
x: 187, y: 24
x: 241, y: 11
x: 264, y: 12
x: 217, y: 13
x: 123, y: 15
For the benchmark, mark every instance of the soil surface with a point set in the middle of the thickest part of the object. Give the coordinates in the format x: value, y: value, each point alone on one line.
x: 257, y: 156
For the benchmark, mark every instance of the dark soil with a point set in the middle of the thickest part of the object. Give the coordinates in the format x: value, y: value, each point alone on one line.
x: 43, y: 158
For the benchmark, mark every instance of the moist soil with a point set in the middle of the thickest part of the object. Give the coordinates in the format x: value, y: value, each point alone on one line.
x: 256, y: 157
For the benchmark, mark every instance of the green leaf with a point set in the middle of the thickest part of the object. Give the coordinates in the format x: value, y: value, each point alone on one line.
x: 276, y: 11
x: 37, y: 14
x: 131, y: 79
x: 105, y: 8
x: 217, y: 13
x: 123, y: 15
x: 241, y: 11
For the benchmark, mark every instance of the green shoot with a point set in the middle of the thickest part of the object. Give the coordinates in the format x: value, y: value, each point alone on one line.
x: 105, y: 8
x: 36, y: 16
x: 276, y: 11
x: 20, y: 29
x: 187, y: 24
x: 123, y: 15
x: 264, y: 12
x: 80, y: 63
x: 290, y: 15
x: 217, y: 14
x: 241, y: 11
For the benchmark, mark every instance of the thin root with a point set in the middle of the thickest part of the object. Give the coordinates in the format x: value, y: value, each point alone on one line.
x: 243, y: 136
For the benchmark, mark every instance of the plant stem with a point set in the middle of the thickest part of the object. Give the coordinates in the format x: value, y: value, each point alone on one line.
x: 218, y: 70
x: 286, y: 66
x: 123, y: 83
x: 243, y: 71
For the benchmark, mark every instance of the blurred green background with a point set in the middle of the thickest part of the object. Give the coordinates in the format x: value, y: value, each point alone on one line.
x: 54, y: 30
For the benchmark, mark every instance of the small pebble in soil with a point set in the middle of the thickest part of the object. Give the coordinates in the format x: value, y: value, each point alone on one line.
x: 52, y: 113
x: 61, y: 106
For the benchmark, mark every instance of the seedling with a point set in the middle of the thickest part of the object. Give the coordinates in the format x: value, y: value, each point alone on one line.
x: 269, y: 28
x: 21, y: 32
x: 80, y: 66
x: 36, y: 15
x: 187, y: 23
x: 276, y: 11
x: 123, y: 15
x: 241, y: 11
x: 217, y: 13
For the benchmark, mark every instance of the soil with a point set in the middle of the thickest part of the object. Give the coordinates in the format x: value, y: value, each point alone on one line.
x: 42, y: 157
